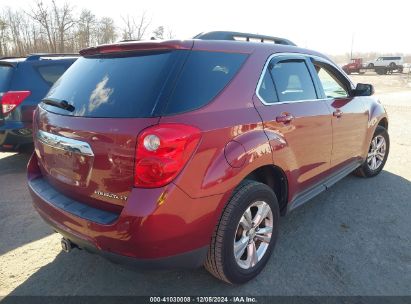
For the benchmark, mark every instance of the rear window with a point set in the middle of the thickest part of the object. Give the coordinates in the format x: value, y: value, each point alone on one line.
x: 5, y: 73
x: 391, y: 58
x: 144, y: 84
x: 106, y: 86
x: 51, y: 73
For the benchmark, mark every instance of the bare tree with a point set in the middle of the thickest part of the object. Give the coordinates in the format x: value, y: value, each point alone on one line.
x: 16, y: 36
x: 87, y: 27
x: 128, y: 28
x: 159, y: 32
x: 134, y: 30
x: 106, y: 31
x: 42, y: 15
x: 52, y: 26
x: 142, y: 26
x: 170, y: 34
x: 3, y: 36
x: 64, y: 22
x: 16, y: 26
x: 39, y: 42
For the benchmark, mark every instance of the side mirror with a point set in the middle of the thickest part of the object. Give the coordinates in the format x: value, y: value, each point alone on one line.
x: 363, y: 89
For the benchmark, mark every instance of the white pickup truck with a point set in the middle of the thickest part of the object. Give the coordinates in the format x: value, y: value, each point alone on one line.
x: 385, y: 64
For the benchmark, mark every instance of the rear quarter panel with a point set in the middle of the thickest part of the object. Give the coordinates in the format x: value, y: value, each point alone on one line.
x: 231, y: 116
x: 233, y: 141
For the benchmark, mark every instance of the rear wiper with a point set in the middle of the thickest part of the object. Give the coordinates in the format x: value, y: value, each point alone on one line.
x: 58, y: 103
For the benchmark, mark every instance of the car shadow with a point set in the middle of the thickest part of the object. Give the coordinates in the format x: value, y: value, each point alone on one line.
x: 350, y: 240
x: 19, y: 223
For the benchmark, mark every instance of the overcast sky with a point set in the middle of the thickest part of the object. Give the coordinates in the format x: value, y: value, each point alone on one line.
x: 326, y: 26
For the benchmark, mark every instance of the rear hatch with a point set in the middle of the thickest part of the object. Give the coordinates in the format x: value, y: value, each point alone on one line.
x: 88, y: 152
x: 6, y: 71
x: 86, y: 128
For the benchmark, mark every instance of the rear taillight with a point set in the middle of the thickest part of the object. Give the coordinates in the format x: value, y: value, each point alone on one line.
x: 12, y: 99
x: 162, y: 151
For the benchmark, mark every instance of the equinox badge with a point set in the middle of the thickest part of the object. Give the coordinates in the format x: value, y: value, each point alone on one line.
x: 111, y: 195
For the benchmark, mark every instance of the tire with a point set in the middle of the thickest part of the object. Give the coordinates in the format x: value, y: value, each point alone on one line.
x: 381, y: 71
x: 26, y: 148
x: 371, y: 65
x: 366, y: 169
x: 220, y: 261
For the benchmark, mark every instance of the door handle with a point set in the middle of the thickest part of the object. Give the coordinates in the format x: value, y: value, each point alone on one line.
x: 284, y: 118
x: 338, y: 113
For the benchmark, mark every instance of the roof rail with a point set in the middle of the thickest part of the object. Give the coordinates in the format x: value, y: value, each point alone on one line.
x: 37, y: 56
x: 127, y: 40
x: 10, y: 57
x: 237, y: 36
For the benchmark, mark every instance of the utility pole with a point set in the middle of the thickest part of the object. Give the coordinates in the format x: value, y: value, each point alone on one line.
x: 352, y: 44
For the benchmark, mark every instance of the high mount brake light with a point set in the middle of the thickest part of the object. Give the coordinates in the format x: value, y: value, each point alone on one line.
x: 12, y: 99
x: 162, y: 152
x: 138, y: 46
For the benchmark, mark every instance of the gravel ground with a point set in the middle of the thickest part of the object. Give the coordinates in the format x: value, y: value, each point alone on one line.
x: 351, y: 240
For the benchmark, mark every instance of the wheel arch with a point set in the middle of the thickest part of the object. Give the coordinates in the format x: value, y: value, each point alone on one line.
x: 276, y: 179
x: 377, y: 117
x: 383, y: 122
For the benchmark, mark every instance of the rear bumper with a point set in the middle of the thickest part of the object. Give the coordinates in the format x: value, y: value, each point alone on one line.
x: 187, y: 260
x: 15, y: 133
x: 157, y: 228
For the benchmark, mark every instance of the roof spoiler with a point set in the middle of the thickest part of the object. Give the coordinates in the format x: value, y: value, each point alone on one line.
x: 131, y: 46
x: 237, y: 36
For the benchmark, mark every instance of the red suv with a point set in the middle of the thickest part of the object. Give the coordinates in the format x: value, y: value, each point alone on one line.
x: 185, y: 153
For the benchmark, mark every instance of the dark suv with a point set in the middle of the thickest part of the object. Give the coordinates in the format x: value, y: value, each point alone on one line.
x: 23, y: 83
x: 184, y: 153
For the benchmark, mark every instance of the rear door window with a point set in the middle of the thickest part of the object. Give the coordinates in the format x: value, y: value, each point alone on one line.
x: 293, y: 81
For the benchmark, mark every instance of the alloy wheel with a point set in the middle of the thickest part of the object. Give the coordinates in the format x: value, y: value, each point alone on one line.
x: 253, y: 234
x: 376, y: 153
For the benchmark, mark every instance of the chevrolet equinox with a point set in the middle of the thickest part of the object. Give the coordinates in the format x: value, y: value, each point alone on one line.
x: 185, y: 153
